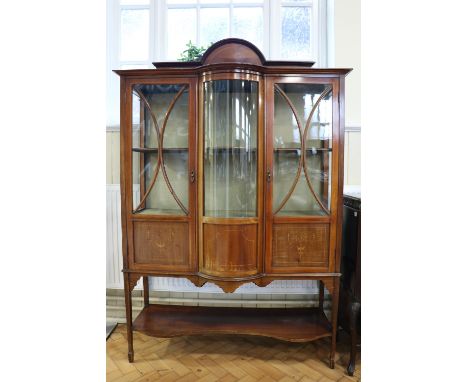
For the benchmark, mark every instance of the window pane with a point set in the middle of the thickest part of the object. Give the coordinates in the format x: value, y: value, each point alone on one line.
x: 296, y: 33
x: 247, y: 23
x: 248, y: 1
x: 134, y: 2
x: 134, y: 34
x: 176, y: 42
x: 214, y: 24
x: 181, y: 1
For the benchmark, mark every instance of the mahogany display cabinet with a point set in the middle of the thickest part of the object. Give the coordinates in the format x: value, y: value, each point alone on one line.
x: 232, y: 173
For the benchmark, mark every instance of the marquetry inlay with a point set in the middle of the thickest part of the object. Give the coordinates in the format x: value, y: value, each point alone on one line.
x: 230, y: 248
x: 161, y: 243
x: 303, y: 245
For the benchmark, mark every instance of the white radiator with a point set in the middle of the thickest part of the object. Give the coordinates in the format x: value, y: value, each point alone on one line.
x: 114, y: 277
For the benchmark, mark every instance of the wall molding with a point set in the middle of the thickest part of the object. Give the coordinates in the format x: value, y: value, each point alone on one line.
x: 351, y: 128
x: 114, y: 128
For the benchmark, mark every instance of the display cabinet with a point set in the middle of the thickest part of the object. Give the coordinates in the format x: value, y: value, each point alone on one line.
x: 232, y: 173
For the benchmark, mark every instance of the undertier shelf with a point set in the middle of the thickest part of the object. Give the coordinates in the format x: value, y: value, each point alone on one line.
x: 288, y: 324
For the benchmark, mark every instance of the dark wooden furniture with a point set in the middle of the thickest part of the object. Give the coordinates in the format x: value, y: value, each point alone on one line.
x: 231, y: 173
x: 350, y: 285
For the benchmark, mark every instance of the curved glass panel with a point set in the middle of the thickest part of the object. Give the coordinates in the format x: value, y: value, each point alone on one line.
x: 302, y: 149
x: 160, y: 149
x: 230, y: 148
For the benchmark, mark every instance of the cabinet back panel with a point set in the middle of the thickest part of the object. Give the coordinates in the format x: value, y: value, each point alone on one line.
x: 230, y: 250
x: 162, y: 244
x: 300, y: 245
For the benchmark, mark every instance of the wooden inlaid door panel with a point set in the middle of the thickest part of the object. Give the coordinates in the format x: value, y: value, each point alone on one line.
x: 162, y: 244
x: 231, y: 181
x: 300, y: 246
x: 230, y: 250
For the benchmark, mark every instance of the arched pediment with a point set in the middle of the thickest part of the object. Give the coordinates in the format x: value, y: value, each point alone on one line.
x: 233, y: 50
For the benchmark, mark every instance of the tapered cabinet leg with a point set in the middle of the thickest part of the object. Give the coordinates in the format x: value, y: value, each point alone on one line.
x: 354, y: 311
x: 334, y: 320
x: 145, y: 291
x: 128, y: 311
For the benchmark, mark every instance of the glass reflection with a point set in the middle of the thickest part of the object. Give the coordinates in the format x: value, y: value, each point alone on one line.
x: 302, y: 142
x: 230, y: 148
x: 160, y: 110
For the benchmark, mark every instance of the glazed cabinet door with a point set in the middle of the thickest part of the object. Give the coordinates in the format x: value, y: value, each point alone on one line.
x: 230, y: 159
x: 162, y: 174
x: 301, y: 174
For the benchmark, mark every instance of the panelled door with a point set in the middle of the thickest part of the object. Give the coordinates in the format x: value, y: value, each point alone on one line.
x: 160, y: 141
x: 301, y: 174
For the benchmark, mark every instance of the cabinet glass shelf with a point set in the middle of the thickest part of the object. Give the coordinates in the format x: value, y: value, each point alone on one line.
x: 230, y: 148
x: 295, y: 213
x: 159, y: 211
x: 155, y: 149
x: 230, y: 213
x: 299, y: 149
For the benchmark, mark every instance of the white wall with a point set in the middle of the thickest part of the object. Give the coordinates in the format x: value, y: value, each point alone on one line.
x: 347, y: 54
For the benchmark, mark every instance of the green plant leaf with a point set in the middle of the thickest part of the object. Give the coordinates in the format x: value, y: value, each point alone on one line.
x: 192, y: 53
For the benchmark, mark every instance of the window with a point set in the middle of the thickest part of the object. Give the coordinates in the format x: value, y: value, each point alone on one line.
x: 299, y: 30
x: 208, y: 21
x: 142, y: 31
